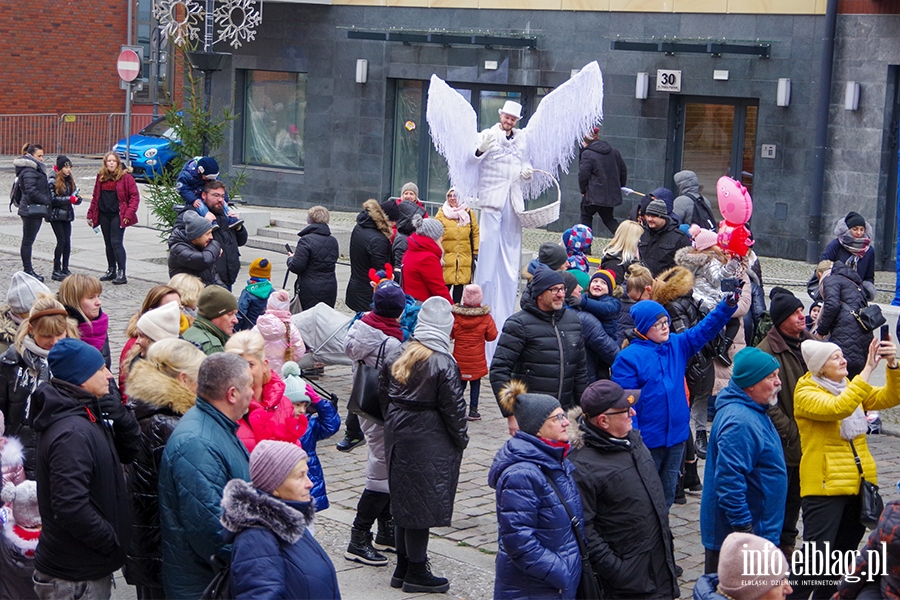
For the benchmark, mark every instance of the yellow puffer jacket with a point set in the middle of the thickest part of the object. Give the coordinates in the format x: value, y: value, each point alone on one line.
x: 827, y: 467
x: 458, y: 246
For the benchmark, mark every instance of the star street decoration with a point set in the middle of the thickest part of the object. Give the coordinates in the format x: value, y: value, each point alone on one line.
x: 179, y: 19
x: 238, y: 20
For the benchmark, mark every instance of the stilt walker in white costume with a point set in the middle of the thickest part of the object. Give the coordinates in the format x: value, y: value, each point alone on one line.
x: 496, y: 169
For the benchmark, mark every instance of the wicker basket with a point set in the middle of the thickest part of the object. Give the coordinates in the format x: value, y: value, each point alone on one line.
x: 543, y: 215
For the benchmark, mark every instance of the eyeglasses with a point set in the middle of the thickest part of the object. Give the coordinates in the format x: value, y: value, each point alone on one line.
x: 661, y: 324
x: 557, y: 289
x: 560, y: 417
x: 618, y: 412
x: 217, y: 196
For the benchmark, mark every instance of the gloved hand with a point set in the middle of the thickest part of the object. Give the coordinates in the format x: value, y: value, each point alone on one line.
x: 486, y: 142
x: 313, y: 396
x: 748, y: 528
x: 73, y: 199
x: 735, y: 296
x: 527, y: 172
x: 573, y: 301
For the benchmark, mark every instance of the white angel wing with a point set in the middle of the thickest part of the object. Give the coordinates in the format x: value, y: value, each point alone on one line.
x: 454, y: 131
x: 559, y: 124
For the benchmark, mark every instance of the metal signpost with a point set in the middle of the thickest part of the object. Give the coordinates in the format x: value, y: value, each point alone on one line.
x: 129, y: 67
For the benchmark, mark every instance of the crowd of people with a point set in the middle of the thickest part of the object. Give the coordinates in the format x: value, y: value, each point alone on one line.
x: 616, y: 377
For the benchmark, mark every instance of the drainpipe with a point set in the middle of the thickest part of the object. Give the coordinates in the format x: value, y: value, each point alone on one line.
x: 818, y: 178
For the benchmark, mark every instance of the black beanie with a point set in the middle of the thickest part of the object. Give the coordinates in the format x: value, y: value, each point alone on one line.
x: 783, y: 306
x: 854, y: 220
x: 552, y: 255
x: 62, y: 161
x: 778, y: 290
x: 570, y: 281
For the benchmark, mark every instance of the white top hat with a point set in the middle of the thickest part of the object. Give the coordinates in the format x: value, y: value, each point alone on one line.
x: 511, y: 108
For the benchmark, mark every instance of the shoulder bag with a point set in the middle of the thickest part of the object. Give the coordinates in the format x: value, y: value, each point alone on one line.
x: 869, y: 318
x: 364, y: 400
x: 220, y: 586
x: 870, y: 503
x: 588, y: 587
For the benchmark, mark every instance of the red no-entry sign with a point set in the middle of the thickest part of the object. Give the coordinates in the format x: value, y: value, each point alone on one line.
x: 128, y: 65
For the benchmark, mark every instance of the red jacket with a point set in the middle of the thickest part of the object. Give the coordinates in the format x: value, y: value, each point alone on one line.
x: 129, y: 199
x: 423, y: 275
x: 271, y: 417
x: 472, y: 327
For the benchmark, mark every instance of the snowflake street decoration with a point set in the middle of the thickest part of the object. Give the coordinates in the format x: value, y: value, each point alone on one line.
x: 178, y: 19
x: 238, y: 20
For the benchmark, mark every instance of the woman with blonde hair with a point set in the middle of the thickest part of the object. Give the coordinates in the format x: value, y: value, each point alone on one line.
x: 425, y: 433
x: 189, y: 288
x: 271, y: 413
x: 80, y: 294
x: 460, y: 242
x: 24, y: 366
x: 622, y: 250
x: 114, y: 205
x: 163, y: 387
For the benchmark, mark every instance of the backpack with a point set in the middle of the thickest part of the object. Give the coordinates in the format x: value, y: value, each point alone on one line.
x: 702, y: 215
x: 15, y: 194
x: 762, y: 328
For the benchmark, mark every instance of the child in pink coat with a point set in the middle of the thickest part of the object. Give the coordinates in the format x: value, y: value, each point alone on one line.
x: 283, y: 340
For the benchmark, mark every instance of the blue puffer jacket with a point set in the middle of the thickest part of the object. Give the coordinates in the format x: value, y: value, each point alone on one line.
x: 202, y: 455
x: 705, y: 588
x: 745, y: 477
x: 663, y: 415
x: 322, y: 425
x: 539, y: 556
x: 190, y: 183
x: 274, y: 554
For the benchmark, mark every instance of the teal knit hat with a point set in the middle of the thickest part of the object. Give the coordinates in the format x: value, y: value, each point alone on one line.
x: 294, y: 386
x: 752, y: 365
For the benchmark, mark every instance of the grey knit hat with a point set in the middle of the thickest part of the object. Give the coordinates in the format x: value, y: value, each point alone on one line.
x: 195, y: 225
x: 656, y: 208
x: 431, y: 228
x: 435, y: 322
x: 410, y: 186
x: 23, y: 291
x: 552, y: 255
x: 23, y: 500
x: 271, y: 462
x: 530, y: 410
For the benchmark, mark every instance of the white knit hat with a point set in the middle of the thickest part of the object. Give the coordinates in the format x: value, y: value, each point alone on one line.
x: 23, y: 291
x: 816, y: 354
x: 161, y: 323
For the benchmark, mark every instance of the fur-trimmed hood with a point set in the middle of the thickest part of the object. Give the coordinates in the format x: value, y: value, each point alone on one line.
x: 693, y: 259
x: 470, y: 311
x: 26, y: 162
x: 576, y: 436
x: 245, y: 507
x: 148, y: 384
x: 373, y: 211
x: 673, y: 283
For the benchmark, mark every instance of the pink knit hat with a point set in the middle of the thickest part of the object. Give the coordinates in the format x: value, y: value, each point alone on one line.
x: 472, y: 295
x: 734, y: 582
x: 703, y: 238
x: 271, y: 462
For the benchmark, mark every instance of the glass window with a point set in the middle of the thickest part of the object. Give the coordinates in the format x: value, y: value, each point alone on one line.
x: 407, y: 131
x: 274, y: 115
x: 148, y: 36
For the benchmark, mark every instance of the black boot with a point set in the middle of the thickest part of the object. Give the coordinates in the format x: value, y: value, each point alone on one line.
x: 57, y: 275
x: 700, y: 444
x: 65, y: 271
x: 679, y: 493
x: 360, y: 549
x: 348, y: 443
x: 722, y: 351
x: 400, y: 572
x: 120, y: 278
x: 384, y: 539
x: 33, y: 274
x: 110, y: 275
x: 691, y: 479
x: 419, y: 578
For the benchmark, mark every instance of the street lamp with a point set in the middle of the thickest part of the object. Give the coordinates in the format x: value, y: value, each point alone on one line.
x: 208, y: 63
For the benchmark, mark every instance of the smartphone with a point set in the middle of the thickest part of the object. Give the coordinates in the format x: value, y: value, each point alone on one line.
x: 288, y: 248
x: 885, y: 333
x: 729, y: 285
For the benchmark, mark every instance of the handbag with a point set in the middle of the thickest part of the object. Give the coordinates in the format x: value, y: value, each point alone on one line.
x: 296, y: 307
x: 588, y: 587
x: 869, y: 318
x: 870, y: 502
x: 364, y: 395
x: 220, y: 587
x: 38, y: 210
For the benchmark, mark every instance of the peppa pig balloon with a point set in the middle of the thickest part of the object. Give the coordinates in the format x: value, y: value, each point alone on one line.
x: 734, y: 239
x: 735, y: 202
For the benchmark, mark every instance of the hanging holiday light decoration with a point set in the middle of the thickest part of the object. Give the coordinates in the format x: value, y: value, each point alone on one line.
x: 179, y: 19
x: 237, y: 20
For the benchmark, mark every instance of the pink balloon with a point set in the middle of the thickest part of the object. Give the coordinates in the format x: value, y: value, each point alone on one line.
x: 735, y: 202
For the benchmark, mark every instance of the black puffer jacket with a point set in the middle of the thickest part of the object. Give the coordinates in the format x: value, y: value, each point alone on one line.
x: 185, y: 257
x: 61, y: 204
x: 425, y: 433
x: 159, y: 403
x: 229, y: 264
x: 601, y: 174
x: 370, y: 247
x: 543, y: 350
x: 842, y: 292
x: 657, y: 247
x: 313, y: 261
x: 20, y: 374
x: 33, y: 179
x: 625, y: 518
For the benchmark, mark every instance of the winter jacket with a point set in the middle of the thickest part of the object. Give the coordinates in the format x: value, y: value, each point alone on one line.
x: 626, y: 522
x: 663, y: 415
x: 33, y: 181
x: 543, y: 350
x: 842, y: 293
x: 370, y: 248
x: 865, y: 266
x: 745, y: 475
x: 624, y: 322
x: 363, y: 342
x: 94, y: 332
x: 601, y: 174
x: 228, y: 265
x: 613, y: 262
x: 313, y: 262
x: 201, y: 456
x: 283, y: 339
x: 185, y: 257
x: 17, y: 562
x: 159, y: 403
x: 605, y: 308
x: 706, y: 588
x: 683, y: 205
x: 885, y: 533
x: 657, y: 248
x: 425, y: 433
x: 129, y: 200
x: 20, y: 375
x: 600, y: 348
x: 423, y: 276
x: 827, y: 467
x: 708, y: 272
x: 61, y: 204
x: 322, y: 425
x: 190, y: 183
x: 460, y: 248
x: 792, y: 368
x: 271, y: 417
x: 404, y: 228
x: 82, y: 497
x: 723, y: 372
x: 538, y: 554
x: 206, y: 336
x: 274, y: 553
x: 472, y: 327
x: 252, y: 302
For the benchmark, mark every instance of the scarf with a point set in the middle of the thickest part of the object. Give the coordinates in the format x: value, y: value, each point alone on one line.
x: 32, y: 347
x: 555, y: 444
x: 386, y: 325
x: 459, y: 214
x: 854, y: 425
x: 855, y: 246
x: 433, y: 338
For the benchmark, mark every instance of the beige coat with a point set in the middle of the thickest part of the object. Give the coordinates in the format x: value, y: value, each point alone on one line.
x: 460, y: 244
